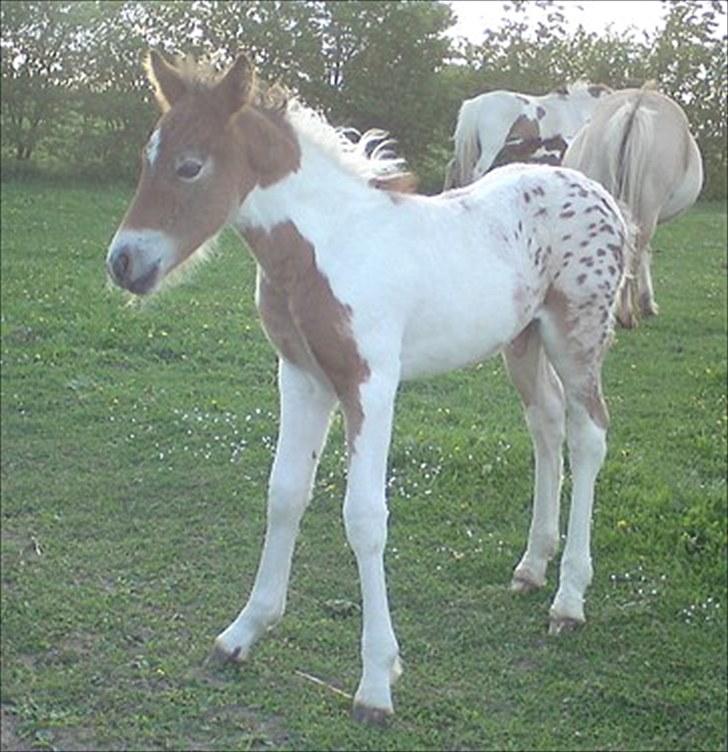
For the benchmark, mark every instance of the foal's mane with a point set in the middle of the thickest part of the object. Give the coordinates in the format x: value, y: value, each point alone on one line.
x: 370, y: 155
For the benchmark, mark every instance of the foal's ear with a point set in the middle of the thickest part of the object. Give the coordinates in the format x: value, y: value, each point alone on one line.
x: 236, y: 86
x: 168, y: 83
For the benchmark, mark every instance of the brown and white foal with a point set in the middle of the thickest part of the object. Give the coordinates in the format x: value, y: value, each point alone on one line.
x: 360, y: 287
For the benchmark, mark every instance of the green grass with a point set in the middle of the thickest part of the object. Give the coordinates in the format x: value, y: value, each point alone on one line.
x: 136, y: 443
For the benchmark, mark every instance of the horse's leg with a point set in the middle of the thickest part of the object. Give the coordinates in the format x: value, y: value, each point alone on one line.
x: 577, y: 360
x: 645, y: 291
x: 543, y: 401
x: 627, y: 296
x: 306, y: 408
x: 365, y: 519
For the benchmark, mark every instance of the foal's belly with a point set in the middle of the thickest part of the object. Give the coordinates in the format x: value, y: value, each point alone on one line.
x: 456, y: 328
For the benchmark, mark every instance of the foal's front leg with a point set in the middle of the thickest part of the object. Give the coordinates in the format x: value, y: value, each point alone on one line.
x: 306, y: 408
x: 365, y: 518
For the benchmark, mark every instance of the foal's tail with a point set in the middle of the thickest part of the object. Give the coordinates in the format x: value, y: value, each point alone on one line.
x: 628, y: 138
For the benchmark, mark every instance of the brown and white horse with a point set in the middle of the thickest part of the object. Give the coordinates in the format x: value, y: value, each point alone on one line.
x: 360, y: 287
x: 501, y: 127
x: 638, y: 145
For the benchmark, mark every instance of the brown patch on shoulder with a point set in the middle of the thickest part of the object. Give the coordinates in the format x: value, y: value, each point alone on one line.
x: 303, y: 318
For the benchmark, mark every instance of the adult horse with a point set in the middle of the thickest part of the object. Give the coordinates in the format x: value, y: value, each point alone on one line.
x: 388, y: 286
x: 638, y: 145
x: 500, y: 127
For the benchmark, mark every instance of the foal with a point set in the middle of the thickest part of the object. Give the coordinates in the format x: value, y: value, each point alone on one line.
x: 360, y: 287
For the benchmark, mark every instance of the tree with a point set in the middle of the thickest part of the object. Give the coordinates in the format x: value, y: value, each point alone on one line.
x: 41, y: 44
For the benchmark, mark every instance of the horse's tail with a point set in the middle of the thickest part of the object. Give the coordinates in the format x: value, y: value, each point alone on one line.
x: 628, y: 136
x: 467, y: 143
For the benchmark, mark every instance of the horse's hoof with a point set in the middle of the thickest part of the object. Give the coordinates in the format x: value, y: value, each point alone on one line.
x: 563, y: 625
x: 221, y: 655
x: 648, y: 307
x: 371, y: 716
x: 521, y: 584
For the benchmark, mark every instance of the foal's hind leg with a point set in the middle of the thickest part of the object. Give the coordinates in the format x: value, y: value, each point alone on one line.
x: 575, y: 346
x: 306, y: 409
x: 543, y: 401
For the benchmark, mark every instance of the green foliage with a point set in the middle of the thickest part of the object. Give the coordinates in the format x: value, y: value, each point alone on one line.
x: 74, y: 96
x: 136, y: 444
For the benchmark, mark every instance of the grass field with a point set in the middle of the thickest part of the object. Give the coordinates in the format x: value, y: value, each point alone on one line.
x: 136, y: 443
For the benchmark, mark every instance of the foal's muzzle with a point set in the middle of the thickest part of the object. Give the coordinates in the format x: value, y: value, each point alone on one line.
x: 123, y: 270
x: 135, y: 258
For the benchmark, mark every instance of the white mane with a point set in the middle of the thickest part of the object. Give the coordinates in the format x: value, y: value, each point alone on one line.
x: 369, y: 156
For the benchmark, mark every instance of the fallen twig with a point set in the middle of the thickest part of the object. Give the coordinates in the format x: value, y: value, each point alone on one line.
x: 322, y: 683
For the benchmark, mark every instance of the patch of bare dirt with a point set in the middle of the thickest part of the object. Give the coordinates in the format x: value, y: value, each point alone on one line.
x: 9, y: 739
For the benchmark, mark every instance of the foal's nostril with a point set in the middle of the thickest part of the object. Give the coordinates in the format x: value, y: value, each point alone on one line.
x: 121, y: 263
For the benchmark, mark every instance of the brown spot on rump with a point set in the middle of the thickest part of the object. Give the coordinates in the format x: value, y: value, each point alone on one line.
x: 567, y: 214
x: 540, y: 112
x: 303, y: 318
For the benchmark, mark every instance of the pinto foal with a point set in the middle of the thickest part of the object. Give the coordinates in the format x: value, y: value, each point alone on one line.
x: 359, y: 287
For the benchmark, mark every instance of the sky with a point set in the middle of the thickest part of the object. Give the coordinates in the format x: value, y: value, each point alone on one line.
x: 594, y: 15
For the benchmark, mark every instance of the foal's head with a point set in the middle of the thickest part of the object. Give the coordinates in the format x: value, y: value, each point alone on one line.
x: 210, y: 148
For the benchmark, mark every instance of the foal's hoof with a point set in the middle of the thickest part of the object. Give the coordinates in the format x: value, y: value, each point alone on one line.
x: 521, y: 584
x: 371, y: 716
x: 563, y: 625
x: 221, y: 655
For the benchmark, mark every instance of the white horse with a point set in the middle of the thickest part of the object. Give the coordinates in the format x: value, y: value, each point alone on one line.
x: 500, y: 127
x: 360, y: 287
x: 638, y: 145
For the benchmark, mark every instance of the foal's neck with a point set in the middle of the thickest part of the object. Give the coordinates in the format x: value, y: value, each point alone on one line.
x: 314, y: 197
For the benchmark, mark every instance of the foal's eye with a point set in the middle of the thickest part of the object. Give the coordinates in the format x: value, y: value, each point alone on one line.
x: 189, y: 169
